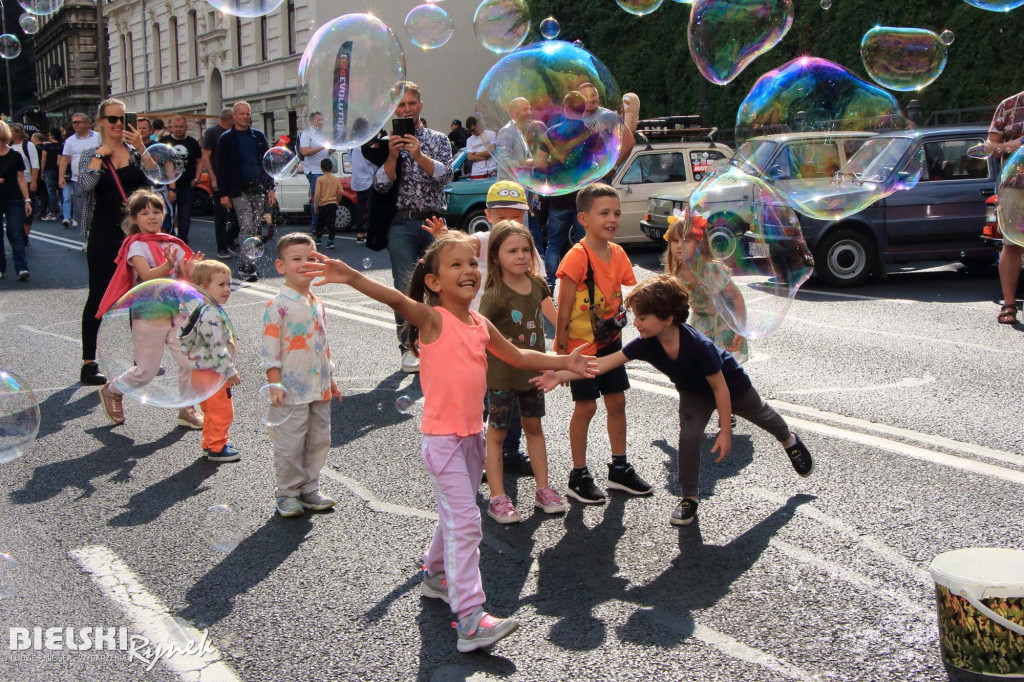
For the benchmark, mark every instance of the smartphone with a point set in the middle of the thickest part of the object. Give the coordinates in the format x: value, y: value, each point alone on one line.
x: 404, y: 126
x: 131, y: 118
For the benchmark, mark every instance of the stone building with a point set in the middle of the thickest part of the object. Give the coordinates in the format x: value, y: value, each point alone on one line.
x: 66, y: 63
x: 185, y: 56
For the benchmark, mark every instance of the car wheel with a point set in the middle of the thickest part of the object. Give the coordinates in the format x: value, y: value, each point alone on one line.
x: 476, y: 221
x: 345, y: 215
x: 980, y: 264
x: 201, y: 203
x: 845, y: 258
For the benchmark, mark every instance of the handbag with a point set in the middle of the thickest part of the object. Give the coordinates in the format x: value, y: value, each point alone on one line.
x: 382, y: 206
x: 606, y: 329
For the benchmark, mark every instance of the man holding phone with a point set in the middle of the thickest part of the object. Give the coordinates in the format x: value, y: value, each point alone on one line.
x: 421, y: 160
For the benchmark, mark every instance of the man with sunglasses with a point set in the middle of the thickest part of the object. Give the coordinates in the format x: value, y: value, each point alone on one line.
x: 84, y: 138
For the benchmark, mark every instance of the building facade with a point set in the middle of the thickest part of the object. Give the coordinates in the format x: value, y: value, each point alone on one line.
x: 66, y: 62
x: 185, y: 56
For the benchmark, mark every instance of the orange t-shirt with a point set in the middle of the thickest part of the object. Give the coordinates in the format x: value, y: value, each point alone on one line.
x: 608, y: 281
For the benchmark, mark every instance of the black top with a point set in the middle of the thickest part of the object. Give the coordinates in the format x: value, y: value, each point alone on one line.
x: 12, y: 166
x: 210, y: 139
x: 698, y: 359
x: 110, y: 205
x: 191, y: 152
x: 53, y: 150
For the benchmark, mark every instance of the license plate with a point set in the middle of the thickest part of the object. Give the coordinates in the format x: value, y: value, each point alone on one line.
x: 650, y: 231
x: 758, y: 250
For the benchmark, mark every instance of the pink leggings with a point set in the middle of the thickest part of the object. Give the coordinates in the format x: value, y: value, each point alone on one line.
x: 149, y: 338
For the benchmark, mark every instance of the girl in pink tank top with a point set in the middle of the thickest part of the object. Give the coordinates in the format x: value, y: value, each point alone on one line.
x: 452, y: 342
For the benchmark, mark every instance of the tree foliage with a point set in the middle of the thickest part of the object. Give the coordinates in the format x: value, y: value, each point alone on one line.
x: 649, y: 55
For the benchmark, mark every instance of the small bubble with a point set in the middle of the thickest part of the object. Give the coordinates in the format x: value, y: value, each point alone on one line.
x: 404, y: 404
x: 367, y: 263
x: 549, y: 28
x: 947, y: 37
x: 222, y: 528
x: 826, y: 4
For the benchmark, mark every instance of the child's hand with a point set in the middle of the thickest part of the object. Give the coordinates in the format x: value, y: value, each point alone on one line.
x: 233, y: 380
x: 435, y: 226
x: 723, y: 443
x: 584, y: 365
x: 276, y: 396
x: 335, y: 391
x: 546, y: 382
x: 329, y: 270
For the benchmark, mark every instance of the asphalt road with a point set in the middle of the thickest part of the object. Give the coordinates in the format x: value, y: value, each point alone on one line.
x: 906, y: 391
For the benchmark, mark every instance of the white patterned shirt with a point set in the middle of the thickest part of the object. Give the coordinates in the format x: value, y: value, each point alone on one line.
x: 295, y: 341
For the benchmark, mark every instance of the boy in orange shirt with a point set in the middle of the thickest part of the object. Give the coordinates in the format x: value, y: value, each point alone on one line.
x: 591, y: 315
x: 325, y: 203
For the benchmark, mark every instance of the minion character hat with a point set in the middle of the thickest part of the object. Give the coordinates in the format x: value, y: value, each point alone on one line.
x: 507, y: 194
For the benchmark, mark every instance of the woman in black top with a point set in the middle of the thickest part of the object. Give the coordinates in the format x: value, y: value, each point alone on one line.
x: 15, y: 204
x: 107, y: 176
x: 51, y: 153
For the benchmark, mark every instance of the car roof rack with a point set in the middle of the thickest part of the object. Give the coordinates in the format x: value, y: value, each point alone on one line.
x: 674, y: 128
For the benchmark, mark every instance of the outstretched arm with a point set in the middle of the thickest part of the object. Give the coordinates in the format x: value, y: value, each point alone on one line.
x: 503, y: 349
x: 549, y: 381
x: 418, y: 314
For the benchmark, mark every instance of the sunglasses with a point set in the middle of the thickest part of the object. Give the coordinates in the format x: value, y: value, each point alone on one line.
x: 114, y: 119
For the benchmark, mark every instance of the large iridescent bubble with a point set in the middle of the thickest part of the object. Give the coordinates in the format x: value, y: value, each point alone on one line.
x: 246, y: 8
x: 501, y: 25
x: 429, y: 26
x: 41, y: 7
x: 152, y: 351
x: 10, y: 46
x: 639, y: 7
x: 996, y: 5
x: 353, y: 72
x: 744, y: 245
x: 280, y: 162
x: 903, y: 59
x: 19, y: 417
x: 163, y: 164
x: 567, y: 112
x: 29, y: 24
x: 725, y: 36
x: 1010, y: 211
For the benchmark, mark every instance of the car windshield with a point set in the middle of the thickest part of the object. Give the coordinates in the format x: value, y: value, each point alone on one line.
x: 754, y: 155
x: 877, y: 158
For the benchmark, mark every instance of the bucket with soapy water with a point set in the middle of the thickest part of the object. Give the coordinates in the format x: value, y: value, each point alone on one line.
x: 980, y: 599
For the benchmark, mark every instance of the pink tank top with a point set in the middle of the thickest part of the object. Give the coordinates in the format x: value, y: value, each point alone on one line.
x: 453, y: 373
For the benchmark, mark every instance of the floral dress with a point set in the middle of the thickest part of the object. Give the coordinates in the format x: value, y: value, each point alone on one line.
x: 705, y: 319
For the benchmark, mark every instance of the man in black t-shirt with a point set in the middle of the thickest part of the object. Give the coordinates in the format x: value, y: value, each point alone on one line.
x: 184, y: 189
x: 227, y: 245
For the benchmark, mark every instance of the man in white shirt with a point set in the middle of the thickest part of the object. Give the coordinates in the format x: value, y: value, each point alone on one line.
x: 362, y: 182
x: 84, y: 138
x: 313, y: 147
x: 30, y: 155
x: 478, y: 149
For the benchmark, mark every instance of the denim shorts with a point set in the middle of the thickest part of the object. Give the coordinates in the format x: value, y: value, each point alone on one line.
x: 502, y: 405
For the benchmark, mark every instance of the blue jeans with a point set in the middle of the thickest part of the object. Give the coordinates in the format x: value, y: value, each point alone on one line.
x: 562, y: 226
x: 50, y: 180
x: 312, y: 193
x: 68, y: 194
x: 13, y: 214
x: 407, y: 242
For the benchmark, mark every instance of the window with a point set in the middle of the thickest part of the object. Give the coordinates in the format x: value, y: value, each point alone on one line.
x: 193, y: 39
x: 704, y: 161
x: 238, y: 41
x: 650, y: 168
x: 291, y: 26
x: 806, y: 160
x: 948, y: 160
x: 293, y: 125
x: 158, y: 61
x: 129, y: 62
x: 268, y: 125
x: 851, y: 146
x: 172, y: 25
x: 124, y: 61
x: 264, y: 42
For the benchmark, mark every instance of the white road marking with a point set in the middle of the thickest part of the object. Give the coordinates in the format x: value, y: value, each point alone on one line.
x: 900, y: 335
x: 151, y: 617
x: 908, y: 382
x: 858, y: 297
x: 330, y: 308
x: 360, y: 491
x: 71, y: 244
x: 43, y: 332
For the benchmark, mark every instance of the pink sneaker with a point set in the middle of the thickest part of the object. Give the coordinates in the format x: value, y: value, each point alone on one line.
x: 501, y: 510
x: 549, y: 500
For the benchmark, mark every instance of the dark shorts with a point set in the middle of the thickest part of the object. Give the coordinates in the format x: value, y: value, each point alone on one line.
x: 615, y: 381
x: 502, y: 406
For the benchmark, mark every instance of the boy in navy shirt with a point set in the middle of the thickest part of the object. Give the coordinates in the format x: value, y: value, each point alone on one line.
x: 707, y: 379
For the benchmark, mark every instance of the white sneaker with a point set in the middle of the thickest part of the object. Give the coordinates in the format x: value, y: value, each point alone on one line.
x: 410, y: 363
x: 289, y: 506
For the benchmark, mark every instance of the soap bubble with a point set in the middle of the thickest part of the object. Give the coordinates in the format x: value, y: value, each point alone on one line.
x: 246, y: 8
x: 10, y: 46
x: 571, y: 136
x: 826, y: 4
x: 29, y: 24
x: 41, y: 7
x: 902, y: 59
x: 549, y: 28
x: 428, y: 26
x: 639, y: 7
x: 353, y: 72
x: 267, y: 414
x: 725, y: 36
x: 501, y: 25
x: 979, y: 151
x: 19, y: 417
x: 577, y: 43
x: 154, y: 325
x: 252, y: 249
x: 404, y: 404
x: 367, y: 263
x: 280, y: 162
x: 745, y: 247
x: 1010, y: 210
x: 947, y: 37
x: 163, y: 164
x: 990, y: 5
x: 10, y: 578
x: 222, y: 528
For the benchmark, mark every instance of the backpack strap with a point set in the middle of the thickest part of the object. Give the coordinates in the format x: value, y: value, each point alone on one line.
x: 589, y: 279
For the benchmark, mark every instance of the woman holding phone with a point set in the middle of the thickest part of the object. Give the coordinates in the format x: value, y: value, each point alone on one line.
x: 107, y: 175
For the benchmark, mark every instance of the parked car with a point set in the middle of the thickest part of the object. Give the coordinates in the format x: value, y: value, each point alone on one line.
x: 651, y: 168
x: 991, y: 235
x: 936, y: 219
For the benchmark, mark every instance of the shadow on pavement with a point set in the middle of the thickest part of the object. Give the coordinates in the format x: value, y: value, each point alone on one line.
x: 116, y: 455
x: 58, y: 408
x: 361, y: 413
x: 439, y: 659
x: 147, y: 505
x: 741, y: 456
x: 255, y: 558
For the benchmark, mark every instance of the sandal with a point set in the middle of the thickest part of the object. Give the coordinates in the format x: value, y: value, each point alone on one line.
x: 1007, y: 315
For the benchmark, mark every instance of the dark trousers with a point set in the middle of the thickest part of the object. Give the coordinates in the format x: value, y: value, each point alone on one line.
x: 183, y: 208
x: 12, y: 213
x: 326, y: 216
x: 225, y: 236
x: 100, y: 258
x: 362, y: 211
x: 694, y: 414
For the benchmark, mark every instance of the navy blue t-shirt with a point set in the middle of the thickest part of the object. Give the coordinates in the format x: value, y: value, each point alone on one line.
x: 698, y: 359
x: 249, y: 162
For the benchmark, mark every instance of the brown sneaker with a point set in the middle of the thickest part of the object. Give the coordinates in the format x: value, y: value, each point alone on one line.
x: 112, y: 405
x: 190, y: 418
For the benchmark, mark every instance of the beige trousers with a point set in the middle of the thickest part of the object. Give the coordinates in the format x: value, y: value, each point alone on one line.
x: 301, y: 443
